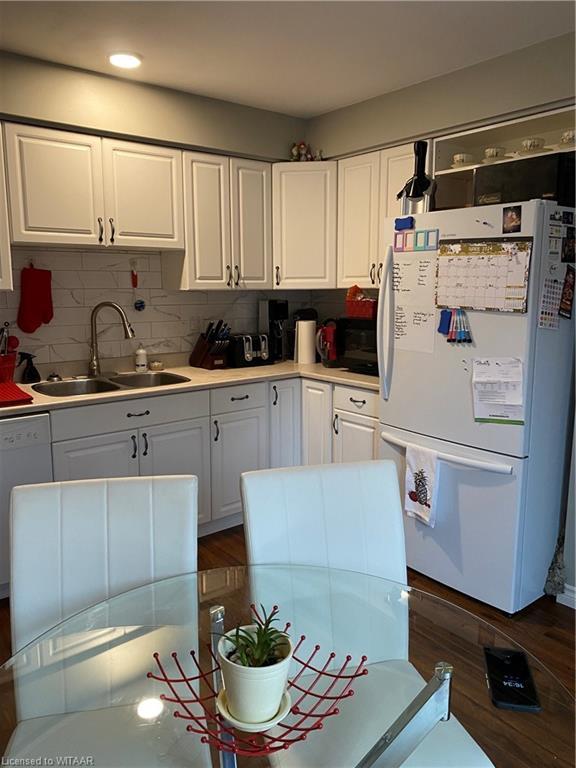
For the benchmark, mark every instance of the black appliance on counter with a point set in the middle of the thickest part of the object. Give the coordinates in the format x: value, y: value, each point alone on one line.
x: 545, y: 177
x: 273, y: 321
x: 356, y: 345
x: 247, y: 349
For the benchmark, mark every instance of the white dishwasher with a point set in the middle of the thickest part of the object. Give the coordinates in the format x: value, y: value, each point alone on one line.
x: 25, y: 458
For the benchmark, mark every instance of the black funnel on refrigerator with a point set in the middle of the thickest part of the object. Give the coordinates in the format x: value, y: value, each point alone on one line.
x: 420, y: 184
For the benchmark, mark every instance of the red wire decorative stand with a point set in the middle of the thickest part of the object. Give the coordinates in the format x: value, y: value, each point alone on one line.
x: 314, y: 702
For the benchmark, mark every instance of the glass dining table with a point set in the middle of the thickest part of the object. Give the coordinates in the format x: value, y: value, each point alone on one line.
x: 132, y: 681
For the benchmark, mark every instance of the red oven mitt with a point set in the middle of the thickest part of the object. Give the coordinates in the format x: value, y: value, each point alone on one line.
x: 35, y: 299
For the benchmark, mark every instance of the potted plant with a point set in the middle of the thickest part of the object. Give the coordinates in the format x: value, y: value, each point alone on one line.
x: 254, y: 661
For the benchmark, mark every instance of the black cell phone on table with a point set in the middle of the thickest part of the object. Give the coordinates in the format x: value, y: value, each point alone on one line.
x: 510, y: 680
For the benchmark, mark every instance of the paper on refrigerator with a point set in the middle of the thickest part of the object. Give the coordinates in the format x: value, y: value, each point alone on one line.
x: 414, y: 310
x: 497, y: 389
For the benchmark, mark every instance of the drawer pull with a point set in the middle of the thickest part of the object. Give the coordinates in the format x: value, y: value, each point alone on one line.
x: 217, y: 430
x: 335, y: 424
x: 372, y: 274
x: 275, y: 390
x: 134, y: 447
x: 357, y: 402
x: 136, y: 415
x: 244, y: 397
x: 112, y: 230
x: 100, y: 230
x: 145, y: 436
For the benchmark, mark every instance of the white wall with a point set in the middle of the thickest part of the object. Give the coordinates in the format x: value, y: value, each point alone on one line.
x: 40, y: 91
x: 530, y: 79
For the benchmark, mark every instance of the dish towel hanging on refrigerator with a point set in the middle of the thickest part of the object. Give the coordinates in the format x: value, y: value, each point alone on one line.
x: 422, y: 469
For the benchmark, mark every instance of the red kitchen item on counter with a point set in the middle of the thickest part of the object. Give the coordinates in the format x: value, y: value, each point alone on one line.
x: 11, y: 394
x: 35, y: 299
x: 7, y: 366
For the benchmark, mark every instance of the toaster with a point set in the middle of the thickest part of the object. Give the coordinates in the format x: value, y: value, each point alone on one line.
x: 247, y: 349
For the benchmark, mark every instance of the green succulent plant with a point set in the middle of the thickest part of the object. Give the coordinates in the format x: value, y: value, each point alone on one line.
x: 259, y: 647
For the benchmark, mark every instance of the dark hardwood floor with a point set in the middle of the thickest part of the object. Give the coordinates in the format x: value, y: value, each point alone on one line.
x: 545, y: 629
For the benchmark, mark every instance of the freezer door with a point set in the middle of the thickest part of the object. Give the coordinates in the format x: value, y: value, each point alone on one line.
x: 429, y: 387
x: 476, y: 544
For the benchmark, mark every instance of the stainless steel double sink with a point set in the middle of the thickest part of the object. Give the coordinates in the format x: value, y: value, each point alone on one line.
x: 112, y: 383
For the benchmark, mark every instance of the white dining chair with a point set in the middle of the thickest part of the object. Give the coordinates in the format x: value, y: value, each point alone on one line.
x: 345, y: 516
x: 76, y: 543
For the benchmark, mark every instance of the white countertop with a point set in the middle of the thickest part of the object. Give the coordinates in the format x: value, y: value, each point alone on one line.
x: 199, y: 379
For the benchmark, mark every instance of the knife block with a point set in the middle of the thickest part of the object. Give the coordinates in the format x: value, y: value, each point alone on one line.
x: 205, y: 356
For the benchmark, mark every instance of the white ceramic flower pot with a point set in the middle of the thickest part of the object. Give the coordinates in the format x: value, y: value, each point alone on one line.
x: 253, y: 694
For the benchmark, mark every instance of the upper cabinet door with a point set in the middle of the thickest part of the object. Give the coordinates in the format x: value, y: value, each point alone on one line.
x: 304, y: 234
x: 143, y: 195
x: 207, y: 213
x: 358, y: 188
x: 251, y: 218
x: 5, y: 260
x: 55, y: 188
x: 396, y: 167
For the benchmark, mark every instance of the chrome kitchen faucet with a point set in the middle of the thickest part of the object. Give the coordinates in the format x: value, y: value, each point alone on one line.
x: 94, y: 363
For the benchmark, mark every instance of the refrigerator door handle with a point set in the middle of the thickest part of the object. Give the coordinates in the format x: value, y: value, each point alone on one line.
x: 385, y: 351
x: 486, y: 466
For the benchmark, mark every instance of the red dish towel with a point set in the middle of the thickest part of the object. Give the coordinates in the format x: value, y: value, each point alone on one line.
x: 11, y: 394
x: 35, y: 299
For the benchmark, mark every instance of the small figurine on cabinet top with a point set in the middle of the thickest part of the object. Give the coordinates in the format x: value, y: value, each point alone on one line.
x: 302, y: 152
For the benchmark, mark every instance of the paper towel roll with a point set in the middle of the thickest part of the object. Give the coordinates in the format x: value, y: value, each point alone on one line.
x: 305, y: 341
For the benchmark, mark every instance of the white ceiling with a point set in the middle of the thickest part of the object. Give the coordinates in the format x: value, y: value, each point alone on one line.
x: 299, y: 58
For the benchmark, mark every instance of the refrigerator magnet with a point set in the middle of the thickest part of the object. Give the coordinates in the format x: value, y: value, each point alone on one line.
x: 409, y: 241
x: 420, y: 240
x: 432, y: 240
x: 399, y: 241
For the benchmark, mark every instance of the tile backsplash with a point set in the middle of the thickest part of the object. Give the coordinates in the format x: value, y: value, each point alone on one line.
x: 168, y: 326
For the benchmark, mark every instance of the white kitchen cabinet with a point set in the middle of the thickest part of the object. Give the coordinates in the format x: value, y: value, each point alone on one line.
x: 208, y: 262
x: 143, y: 195
x: 251, y: 223
x: 396, y: 167
x: 304, y: 230
x: 55, y: 186
x: 182, y: 448
x: 358, y: 206
x: 5, y: 260
x: 355, y: 437
x: 316, y: 422
x: 239, y: 444
x: 109, y: 455
x: 285, y: 417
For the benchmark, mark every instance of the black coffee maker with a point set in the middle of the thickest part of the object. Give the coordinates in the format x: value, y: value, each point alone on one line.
x: 273, y: 321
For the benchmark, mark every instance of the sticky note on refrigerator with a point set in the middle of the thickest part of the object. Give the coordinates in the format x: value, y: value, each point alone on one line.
x: 497, y: 389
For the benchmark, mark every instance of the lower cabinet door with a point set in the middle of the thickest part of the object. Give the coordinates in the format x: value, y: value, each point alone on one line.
x: 355, y: 437
x: 182, y: 448
x: 239, y: 444
x: 110, y: 455
x: 285, y: 441
x: 316, y: 418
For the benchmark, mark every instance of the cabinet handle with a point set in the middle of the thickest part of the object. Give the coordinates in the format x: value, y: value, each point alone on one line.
x: 229, y: 273
x: 277, y: 275
x: 145, y: 436
x: 217, y: 430
x: 379, y: 274
x: 357, y: 402
x: 335, y: 424
x: 237, y: 280
x: 275, y: 390
x: 373, y: 274
x: 112, y: 230
x: 135, y: 415
x: 100, y: 230
x: 134, y: 447
x: 244, y: 397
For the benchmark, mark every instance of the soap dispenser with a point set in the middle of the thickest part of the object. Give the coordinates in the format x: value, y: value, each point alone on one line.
x: 30, y: 373
x: 141, y: 359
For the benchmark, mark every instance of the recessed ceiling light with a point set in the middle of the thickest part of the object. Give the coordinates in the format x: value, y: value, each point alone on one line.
x: 125, y: 60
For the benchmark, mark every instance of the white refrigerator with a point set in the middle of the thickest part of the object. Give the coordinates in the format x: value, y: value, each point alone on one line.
x: 499, y: 482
